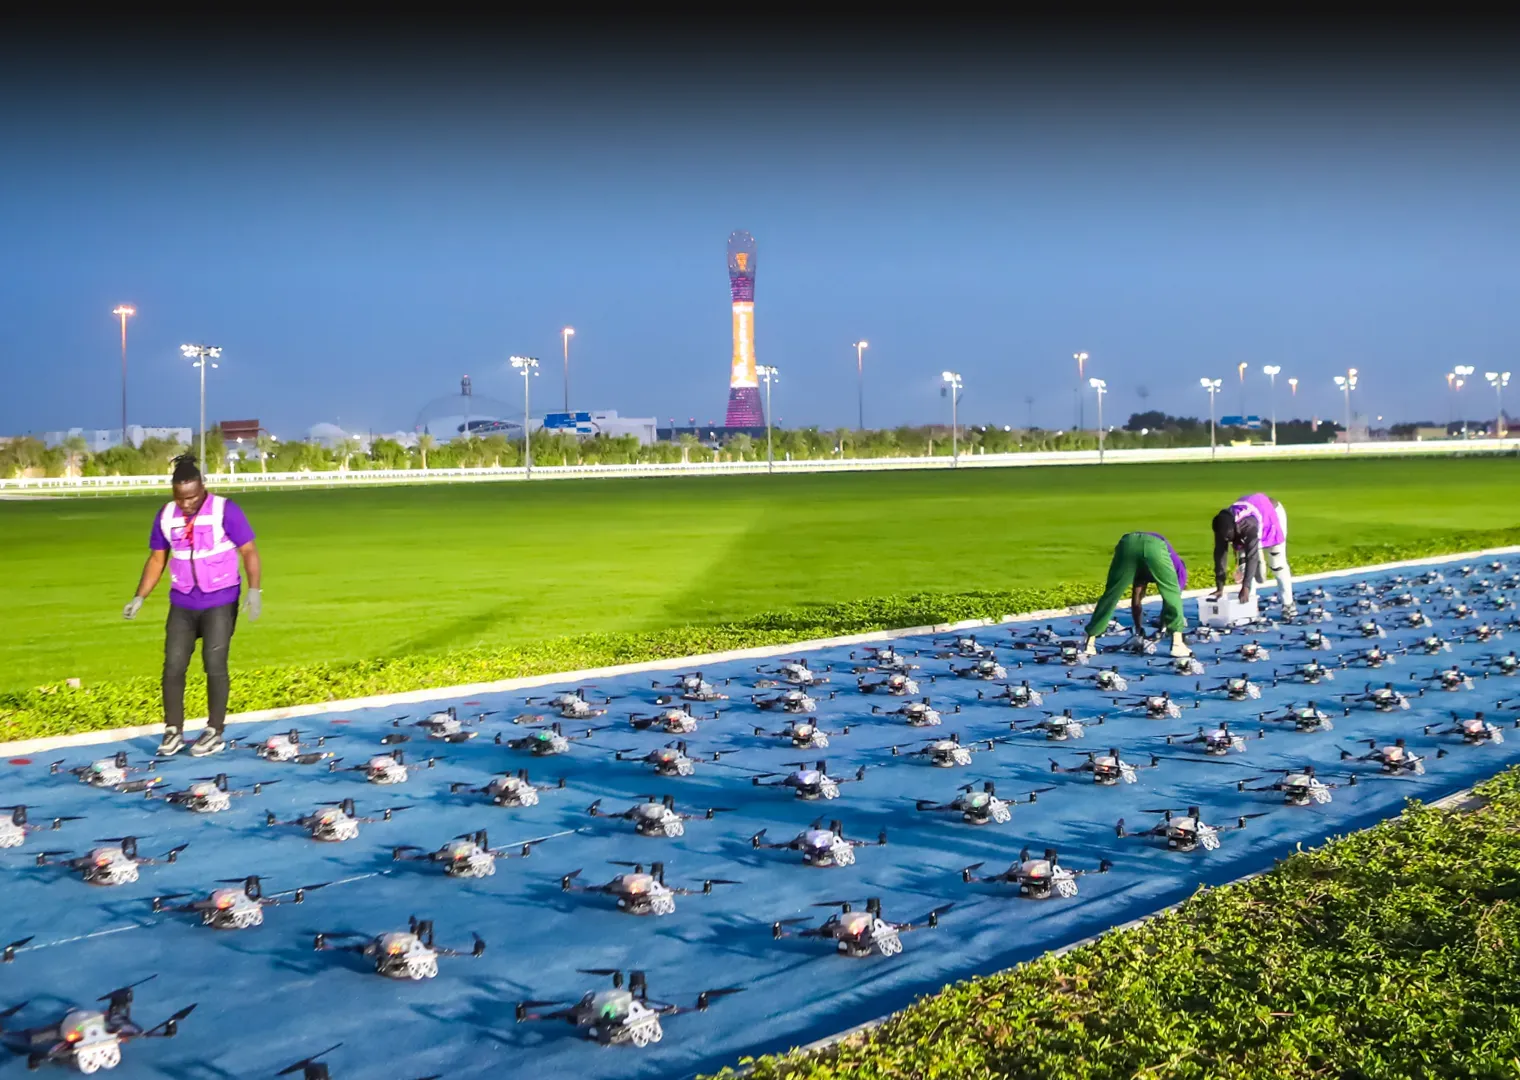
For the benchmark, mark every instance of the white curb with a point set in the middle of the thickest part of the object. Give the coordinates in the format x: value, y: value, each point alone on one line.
x: 412, y: 697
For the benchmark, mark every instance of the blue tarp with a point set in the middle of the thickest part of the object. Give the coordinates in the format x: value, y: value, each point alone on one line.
x: 266, y: 998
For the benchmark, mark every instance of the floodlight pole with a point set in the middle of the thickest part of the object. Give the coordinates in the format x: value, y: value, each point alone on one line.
x: 768, y: 373
x: 1347, y: 383
x: 123, y: 312
x: 953, y: 383
x: 1100, y: 388
x: 1499, y: 380
x: 860, y: 382
x: 1212, y: 386
x: 528, y: 365
x: 1272, y: 370
x: 202, y: 354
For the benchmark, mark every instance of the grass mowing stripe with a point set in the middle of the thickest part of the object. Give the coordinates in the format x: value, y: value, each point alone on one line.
x: 1386, y: 953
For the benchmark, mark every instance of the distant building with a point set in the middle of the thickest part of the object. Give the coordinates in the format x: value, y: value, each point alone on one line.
x: 601, y: 422
x: 1250, y: 423
x: 98, y: 439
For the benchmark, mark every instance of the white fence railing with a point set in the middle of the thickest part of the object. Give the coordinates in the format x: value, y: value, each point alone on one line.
x: 361, y: 477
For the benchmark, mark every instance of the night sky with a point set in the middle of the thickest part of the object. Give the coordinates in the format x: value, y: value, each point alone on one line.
x: 360, y: 220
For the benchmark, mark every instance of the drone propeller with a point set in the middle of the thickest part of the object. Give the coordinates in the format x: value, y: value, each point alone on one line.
x: 706, y: 996
x: 8, y: 954
x: 304, y: 1066
x: 169, y: 1027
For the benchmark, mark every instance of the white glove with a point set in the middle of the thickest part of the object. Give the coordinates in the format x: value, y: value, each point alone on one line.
x: 253, y: 603
x: 134, y: 605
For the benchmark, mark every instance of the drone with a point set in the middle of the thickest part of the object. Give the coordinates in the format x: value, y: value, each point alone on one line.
x: 1037, y: 878
x: 1482, y: 634
x: 286, y: 747
x: 1373, y: 657
x: 572, y: 704
x: 509, y: 789
x: 619, y: 1017
x: 795, y: 672
x: 1068, y: 654
x: 803, y: 735
x: 1310, y: 671
x: 1508, y: 664
x: 1182, y: 665
x: 858, y: 934
x: 1300, y: 787
x: 1251, y: 652
x: 657, y: 816
x: 1186, y: 833
x: 692, y: 687
x: 1018, y: 697
x: 1461, y: 611
x: 947, y: 753
x: 916, y: 713
x: 1155, y: 706
x: 896, y: 684
x: 233, y: 908
x: 108, y: 865
x: 1107, y: 769
x: 675, y: 720
x: 1044, y: 635
x: 1449, y: 679
x: 980, y: 807
x: 312, y: 1069
x: 468, y: 855
x: 1432, y: 644
x: 1107, y: 680
x: 1402, y: 599
x: 1315, y: 640
x: 409, y: 954
x: 87, y: 1038
x: 1206, y: 635
x: 546, y: 741
x: 1430, y: 577
x: 810, y: 784
x: 986, y: 668
x: 333, y: 822
x: 1306, y: 718
x: 1058, y: 728
x: 1216, y: 742
x: 112, y: 773
x: 640, y: 893
x: 1370, y: 628
x: 1235, y: 687
x: 820, y: 847
x: 209, y: 794
x: 1396, y: 758
x: 964, y: 646
x: 788, y: 701
x: 15, y: 829
x: 445, y: 726
x: 1384, y: 699
x: 1473, y: 731
x: 669, y: 760
x: 385, y: 769
x: 1415, y: 620
x: 1361, y: 606
x: 883, y: 658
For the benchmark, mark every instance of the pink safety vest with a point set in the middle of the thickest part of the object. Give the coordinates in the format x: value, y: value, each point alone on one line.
x: 1268, y: 524
x: 212, y: 562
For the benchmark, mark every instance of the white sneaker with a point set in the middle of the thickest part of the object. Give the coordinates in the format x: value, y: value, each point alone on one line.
x: 210, y: 742
x: 172, y: 743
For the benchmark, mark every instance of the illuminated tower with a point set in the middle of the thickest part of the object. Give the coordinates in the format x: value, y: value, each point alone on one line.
x: 743, y: 384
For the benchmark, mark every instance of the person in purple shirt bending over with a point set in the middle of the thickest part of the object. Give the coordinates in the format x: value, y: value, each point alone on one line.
x: 200, y: 537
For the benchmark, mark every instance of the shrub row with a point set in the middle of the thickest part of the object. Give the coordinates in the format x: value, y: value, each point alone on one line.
x: 60, y: 709
x: 1387, y: 953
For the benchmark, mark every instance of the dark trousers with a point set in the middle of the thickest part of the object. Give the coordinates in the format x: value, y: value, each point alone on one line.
x: 214, y: 627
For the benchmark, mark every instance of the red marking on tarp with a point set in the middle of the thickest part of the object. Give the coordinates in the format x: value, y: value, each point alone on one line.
x: 472, y: 703
x: 20, y: 761
x: 339, y: 721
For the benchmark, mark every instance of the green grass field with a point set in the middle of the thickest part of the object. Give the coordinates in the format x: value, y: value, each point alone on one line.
x: 370, y: 574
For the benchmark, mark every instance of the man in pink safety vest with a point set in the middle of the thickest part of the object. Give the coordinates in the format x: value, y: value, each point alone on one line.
x: 1257, y: 528
x: 201, y: 538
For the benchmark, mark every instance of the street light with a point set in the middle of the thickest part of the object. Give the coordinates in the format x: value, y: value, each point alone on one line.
x: 567, y: 333
x: 1347, y: 383
x: 769, y: 373
x: 124, y: 312
x: 1272, y: 372
x: 528, y: 365
x: 1100, y: 388
x: 202, y: 355
x: 1293, y: 386
x: 860, y: 380
x: 1081, y: 359
x: 1242, y: 373
x: 1498, y: 380
x: 953, y: 386
x: 1212, y: 386
x: 1462, y: 372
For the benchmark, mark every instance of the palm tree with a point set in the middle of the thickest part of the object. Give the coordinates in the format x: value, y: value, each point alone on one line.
x: 425, y: 442
x: 688, y: 442
x: 347, y: 447
x: 265, y: 444
x: 78, y: 451
x: 741, y: 446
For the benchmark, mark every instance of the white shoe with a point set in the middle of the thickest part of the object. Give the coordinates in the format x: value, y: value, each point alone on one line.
x: 172, y: 743
x: 210, y: 742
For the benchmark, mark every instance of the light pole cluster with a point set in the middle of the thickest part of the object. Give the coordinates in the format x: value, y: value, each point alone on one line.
x: 1498, y: 380
x: 1212, y: 386
x: 768, y: 374
x: 1100, y: 388
x: 860, y: 383
x: 202, y: 355
x: 1347, y: 383
x: 1456, y: 380
x: 528, y: 365
x: 1081, y: 359
x: 567, y: 333
x: 1271, y: 371
x: 124, y: 312
x: 953, y: 385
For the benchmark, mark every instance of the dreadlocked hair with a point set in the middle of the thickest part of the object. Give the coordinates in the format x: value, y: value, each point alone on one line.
x: 186, y: 469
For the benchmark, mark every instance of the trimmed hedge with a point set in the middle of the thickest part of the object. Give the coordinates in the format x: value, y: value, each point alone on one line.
x: 59, y: 709
x: 1386, y: 953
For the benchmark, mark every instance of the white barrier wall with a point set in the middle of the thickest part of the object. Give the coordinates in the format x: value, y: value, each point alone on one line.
x: 102, y: 484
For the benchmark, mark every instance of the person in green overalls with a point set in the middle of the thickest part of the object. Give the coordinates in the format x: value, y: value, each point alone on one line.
x: 1140, y: 560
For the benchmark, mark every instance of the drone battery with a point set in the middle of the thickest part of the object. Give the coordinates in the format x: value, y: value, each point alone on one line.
x: 1226, y: 611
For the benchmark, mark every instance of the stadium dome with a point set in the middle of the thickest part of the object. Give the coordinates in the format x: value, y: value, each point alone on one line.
x: 446, y: 417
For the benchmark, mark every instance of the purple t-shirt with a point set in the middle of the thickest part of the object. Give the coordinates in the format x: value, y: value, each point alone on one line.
x: 1176, y: 561
x: 235, y: 523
